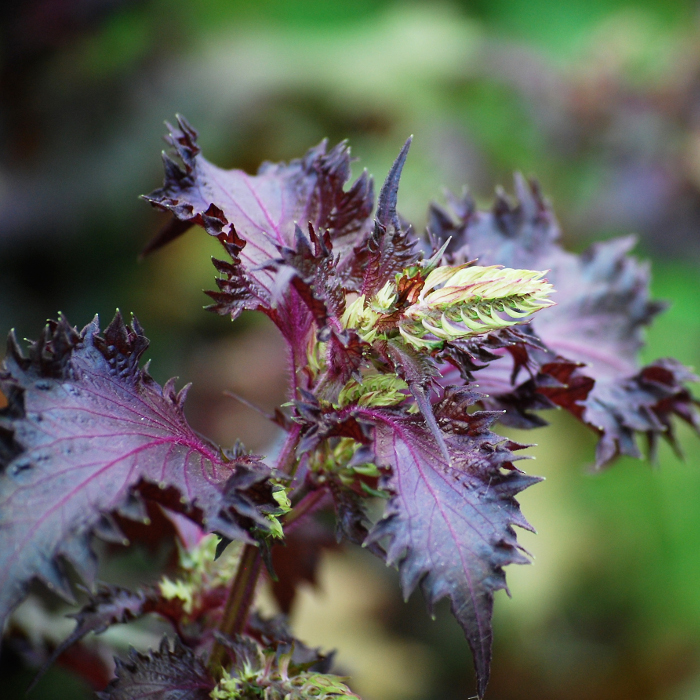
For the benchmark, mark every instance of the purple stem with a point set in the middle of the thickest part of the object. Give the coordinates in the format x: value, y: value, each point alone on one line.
x: 242, y: 591
x: 238, y: 603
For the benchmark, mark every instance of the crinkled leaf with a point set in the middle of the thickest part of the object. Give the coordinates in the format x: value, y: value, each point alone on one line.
x: 644, y: 403
x: 297, y: 241
x: 114, y: 605
x: 311, y: 269
x: 416, y: 368
x: 602, y: 308
x: 450, y: 525
x: 237, y: 290
x: 85, y: 428
x: 419, y: 371
x: 256, y: 217
x: 165, y: 674
x: 471, y: 354
x: 111, y: 605
x: 264, y: 208
x: 320, y: 423
x: 345, y: 354
x: 497, y: 363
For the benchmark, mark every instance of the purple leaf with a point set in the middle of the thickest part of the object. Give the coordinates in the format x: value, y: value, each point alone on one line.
x: 256, y: 217
x: 237, y: 291
x: 602, y: 308
x: 111, y: 605
x: 346, y: 352
x: 160, y: 675
x: 419, y: 371
x: 496, y: 362
x: 643, y: 403
x: 388, y: 197
x: 85, y: 430
x: 450, y: 525
x: 311, y: 268
x: 297, y: 242
x: 264, y: 208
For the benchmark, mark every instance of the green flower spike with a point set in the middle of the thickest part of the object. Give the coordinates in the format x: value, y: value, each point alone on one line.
x: 453, y: 303
x: 364, y: 317
x: 460, y: 302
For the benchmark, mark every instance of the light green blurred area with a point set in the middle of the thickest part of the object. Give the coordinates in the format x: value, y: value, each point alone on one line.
x: 611, y: 607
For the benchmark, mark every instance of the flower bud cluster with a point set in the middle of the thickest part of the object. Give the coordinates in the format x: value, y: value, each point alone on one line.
x: 453, y: 303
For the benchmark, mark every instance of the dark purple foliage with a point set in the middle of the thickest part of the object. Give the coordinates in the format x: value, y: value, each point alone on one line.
x: 602, y: 308
x: 165, y: 674
x: 84, y: 430
x: 390, y: 247
x: 374, y: 410
x: 264, y: 208
x: 449, y: 524
x: 451, y: 480
x: 111, y: 605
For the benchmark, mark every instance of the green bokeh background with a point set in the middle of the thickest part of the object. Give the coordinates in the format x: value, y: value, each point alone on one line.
x: 595, y: 97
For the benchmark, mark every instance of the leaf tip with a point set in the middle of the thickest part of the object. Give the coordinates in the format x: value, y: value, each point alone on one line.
x: 388, y: 196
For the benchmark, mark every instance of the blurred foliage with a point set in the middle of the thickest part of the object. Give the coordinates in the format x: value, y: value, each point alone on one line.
x: 599, y: 98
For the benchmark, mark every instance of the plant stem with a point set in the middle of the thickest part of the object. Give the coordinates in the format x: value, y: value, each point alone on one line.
x: 287, y: 458
x: 242, y: 591
x: 306, y: 505
x: 238, y: 602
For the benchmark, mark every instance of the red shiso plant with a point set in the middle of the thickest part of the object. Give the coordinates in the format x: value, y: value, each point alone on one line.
x: 388, y: 334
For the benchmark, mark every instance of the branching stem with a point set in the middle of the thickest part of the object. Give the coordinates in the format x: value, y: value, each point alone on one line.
x: 242, y: 591
x: 238, y: 603
x: 306, y: 505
